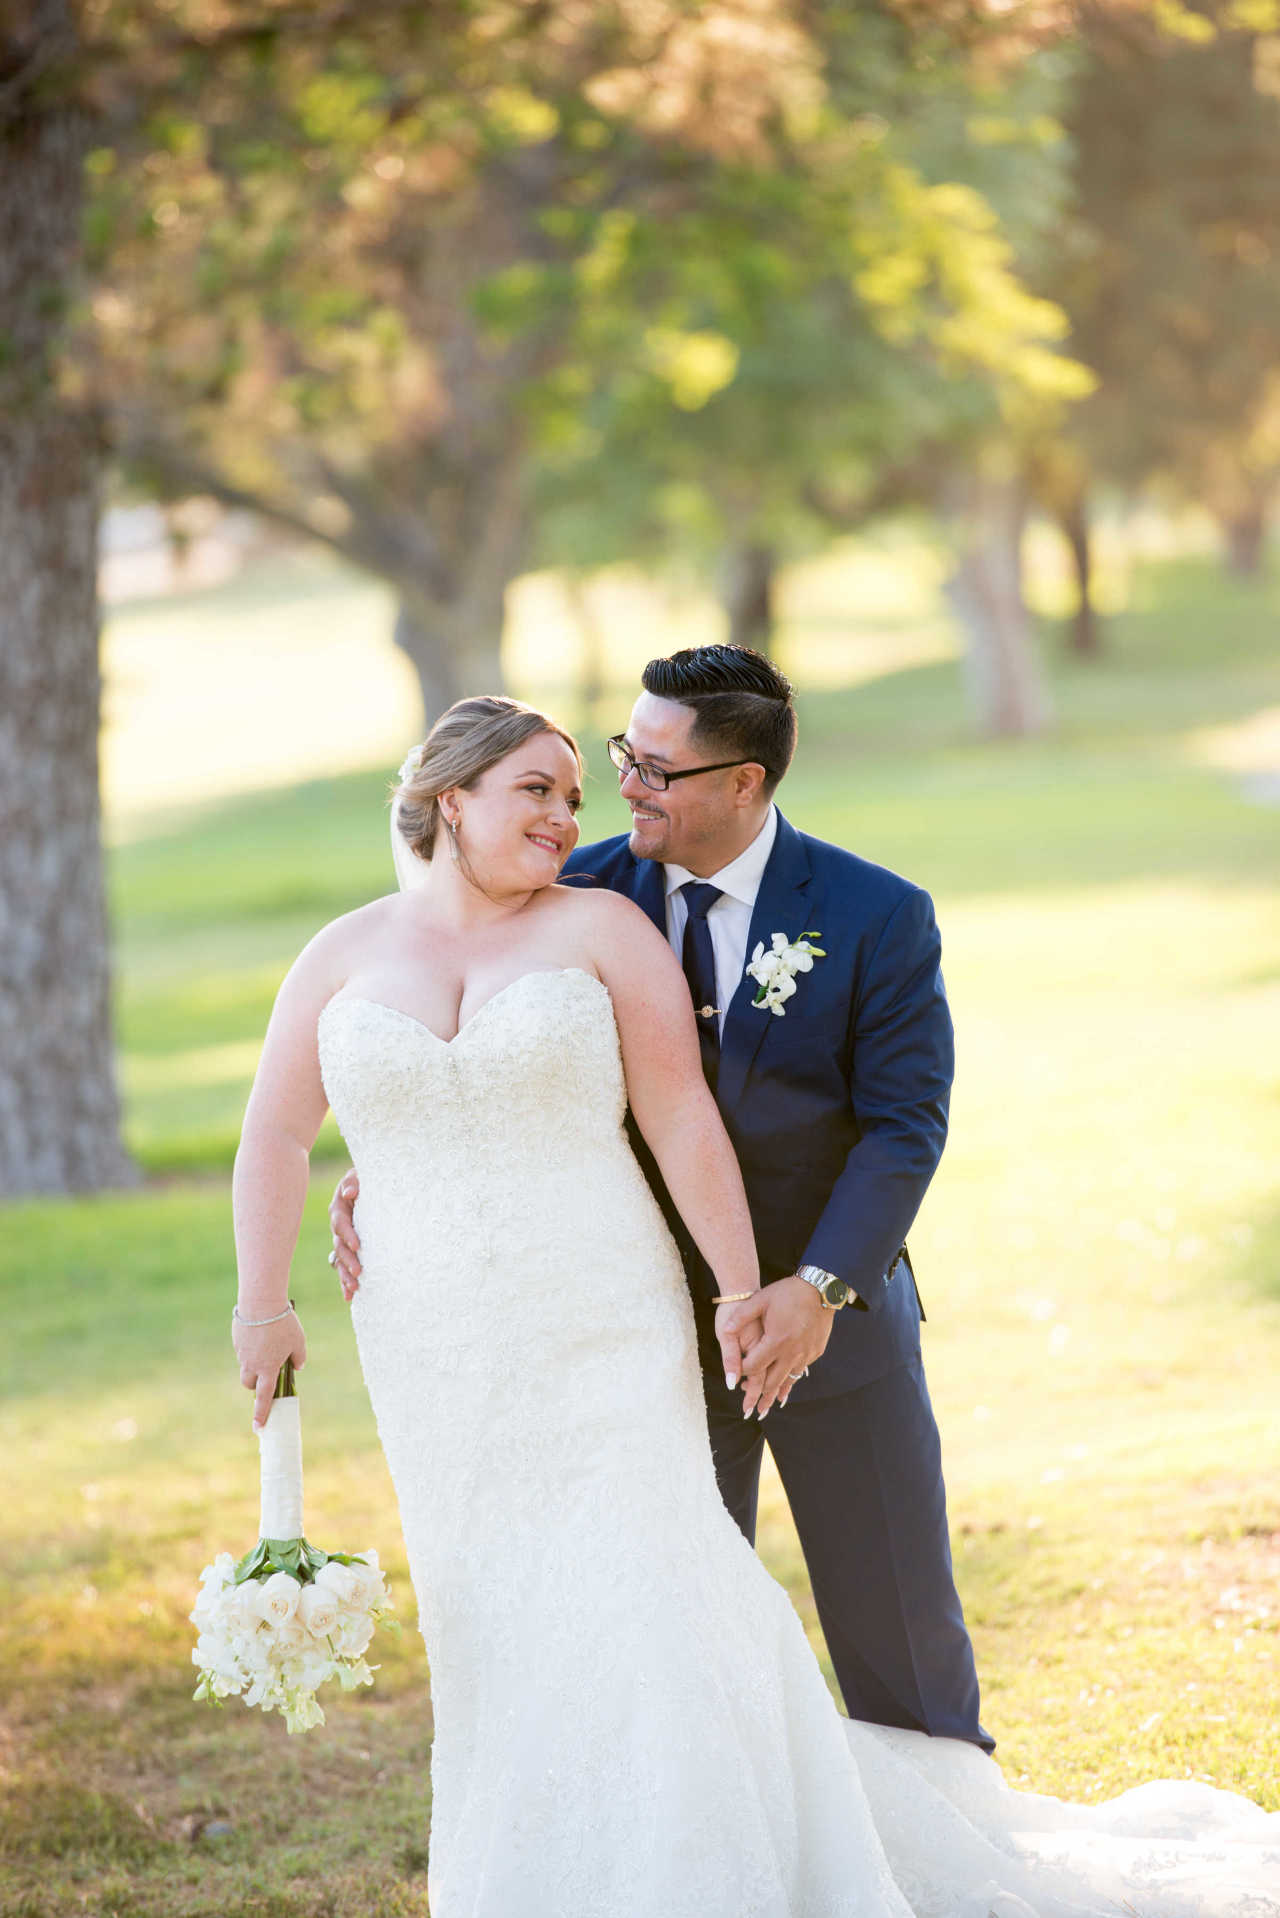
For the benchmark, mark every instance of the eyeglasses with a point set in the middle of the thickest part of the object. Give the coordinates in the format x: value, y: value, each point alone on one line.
x: 655, y: 777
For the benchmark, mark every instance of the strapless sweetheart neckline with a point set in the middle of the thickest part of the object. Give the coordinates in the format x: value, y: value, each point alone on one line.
x: 341, y: 998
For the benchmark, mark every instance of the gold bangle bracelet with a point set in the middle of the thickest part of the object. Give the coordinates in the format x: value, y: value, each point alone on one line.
x: 732, y: 1298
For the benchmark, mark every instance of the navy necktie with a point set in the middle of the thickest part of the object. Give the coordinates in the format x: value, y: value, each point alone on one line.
x: 699, y: 961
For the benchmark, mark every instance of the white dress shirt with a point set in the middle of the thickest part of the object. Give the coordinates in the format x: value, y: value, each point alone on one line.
x: 729, y: 919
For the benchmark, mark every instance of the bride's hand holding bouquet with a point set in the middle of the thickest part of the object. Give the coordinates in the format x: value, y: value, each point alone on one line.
x: 265, y: 1342
x: 288, y: 1617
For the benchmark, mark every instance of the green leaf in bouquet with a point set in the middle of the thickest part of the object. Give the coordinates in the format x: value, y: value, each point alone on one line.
x: 313, y: 1559
x: 286, y: 1555
x: 254, y: 1564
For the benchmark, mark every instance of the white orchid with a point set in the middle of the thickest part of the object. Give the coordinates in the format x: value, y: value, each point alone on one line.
x: 774, y: 969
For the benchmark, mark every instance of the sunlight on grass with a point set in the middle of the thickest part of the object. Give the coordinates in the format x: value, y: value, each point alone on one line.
x: 1099, y: 1254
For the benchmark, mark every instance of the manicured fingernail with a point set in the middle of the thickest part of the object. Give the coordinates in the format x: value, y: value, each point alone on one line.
x: 763, y: 1415
x: 731, y: 1379
x: 747, y: 1413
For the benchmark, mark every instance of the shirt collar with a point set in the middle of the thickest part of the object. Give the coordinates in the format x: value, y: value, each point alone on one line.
x: 740, y: 879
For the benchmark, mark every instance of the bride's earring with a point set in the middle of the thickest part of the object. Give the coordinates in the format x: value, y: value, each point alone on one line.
x: 453, y: 839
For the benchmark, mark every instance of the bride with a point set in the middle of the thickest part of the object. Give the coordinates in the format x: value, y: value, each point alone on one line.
x: 629, y: 1721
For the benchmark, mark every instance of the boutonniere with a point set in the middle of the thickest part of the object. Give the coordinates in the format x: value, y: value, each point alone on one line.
x: 775, y: 971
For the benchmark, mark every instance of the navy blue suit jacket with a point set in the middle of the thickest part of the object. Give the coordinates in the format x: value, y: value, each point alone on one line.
x: 838, y: 1109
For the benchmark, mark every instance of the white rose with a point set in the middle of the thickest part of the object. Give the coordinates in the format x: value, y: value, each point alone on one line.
x: 341, y: 1582
x: 369, y: 1579
x: 318, y: 1608
x: 278, y: 1597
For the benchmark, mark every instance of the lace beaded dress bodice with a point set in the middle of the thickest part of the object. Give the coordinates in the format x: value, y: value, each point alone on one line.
x: 629, y: 1722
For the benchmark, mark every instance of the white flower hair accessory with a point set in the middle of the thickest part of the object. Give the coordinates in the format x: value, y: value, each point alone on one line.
x: 775, y: 971
x: 412, y: 761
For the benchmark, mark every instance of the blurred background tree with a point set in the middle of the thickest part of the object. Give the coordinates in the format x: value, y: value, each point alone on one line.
x: 1169, y: 269
x: 59, y: 1113
x: 690, y: 269
x: 460, y: 289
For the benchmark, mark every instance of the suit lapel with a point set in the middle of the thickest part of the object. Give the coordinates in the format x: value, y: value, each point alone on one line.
x: 648, y: 890
x: 780, y: 907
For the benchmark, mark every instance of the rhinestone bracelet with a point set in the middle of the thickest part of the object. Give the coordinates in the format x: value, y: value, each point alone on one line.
x: 237, y: 1314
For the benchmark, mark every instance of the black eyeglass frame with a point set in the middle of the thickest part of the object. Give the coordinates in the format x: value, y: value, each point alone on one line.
x: 625, y: 761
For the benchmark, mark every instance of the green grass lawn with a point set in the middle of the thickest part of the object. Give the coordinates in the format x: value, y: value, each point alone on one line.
x: 1100, y: 1254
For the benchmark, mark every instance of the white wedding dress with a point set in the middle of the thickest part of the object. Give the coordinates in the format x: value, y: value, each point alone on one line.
x: 629, y: 1721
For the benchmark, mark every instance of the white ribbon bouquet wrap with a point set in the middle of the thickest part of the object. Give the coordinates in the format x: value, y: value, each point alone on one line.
x: 275, y: 1627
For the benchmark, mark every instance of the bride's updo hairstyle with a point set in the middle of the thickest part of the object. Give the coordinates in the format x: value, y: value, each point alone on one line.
x: 465, y: 741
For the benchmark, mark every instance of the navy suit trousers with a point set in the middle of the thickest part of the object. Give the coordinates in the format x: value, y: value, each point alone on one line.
x: 863, y: 1476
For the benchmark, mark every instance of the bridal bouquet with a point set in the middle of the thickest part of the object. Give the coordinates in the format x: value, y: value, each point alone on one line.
x: 288, y: 1617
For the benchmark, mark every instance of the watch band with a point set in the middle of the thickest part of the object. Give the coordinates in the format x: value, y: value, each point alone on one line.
x: 819, y: 1278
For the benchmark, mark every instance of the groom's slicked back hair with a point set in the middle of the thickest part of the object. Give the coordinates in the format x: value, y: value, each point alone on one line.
x: 741, y: 704
x: 465, y: 741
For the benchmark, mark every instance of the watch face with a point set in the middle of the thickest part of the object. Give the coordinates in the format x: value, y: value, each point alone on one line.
x: 835, y: 1291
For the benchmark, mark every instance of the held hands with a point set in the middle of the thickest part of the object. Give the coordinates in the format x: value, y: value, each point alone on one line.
x: 262, y: 1350
x: 738, y: 1331
x: 794, y: 1327
x: 765, y: 1341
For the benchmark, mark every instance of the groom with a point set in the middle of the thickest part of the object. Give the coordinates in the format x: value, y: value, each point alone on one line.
x: 837, y: 1110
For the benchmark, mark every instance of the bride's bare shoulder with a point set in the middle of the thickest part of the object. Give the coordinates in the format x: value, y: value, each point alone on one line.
x: 610, y: 914
x: 336, y: 947
x: 612, y: 928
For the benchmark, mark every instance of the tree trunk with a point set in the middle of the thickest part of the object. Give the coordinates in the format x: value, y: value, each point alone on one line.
x: 59, y: 1111
x: 1085, y: 634
x: 1006, y: 688
x: 592, y: 654
x: 455, y: 651
x: 748, y: 594
x: 1245, y: 533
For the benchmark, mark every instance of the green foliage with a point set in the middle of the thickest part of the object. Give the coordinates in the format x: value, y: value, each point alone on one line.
x: 650, y: 279
x: 1170, y: 268
x: 853, y: 302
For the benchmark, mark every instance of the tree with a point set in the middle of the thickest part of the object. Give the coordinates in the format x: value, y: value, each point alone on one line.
x: 1170, y: 269
x: 59, y: 1113
x: 525, y: 264
x: 61, y: 84
x: 843, y: 333
x: 419, y: 213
